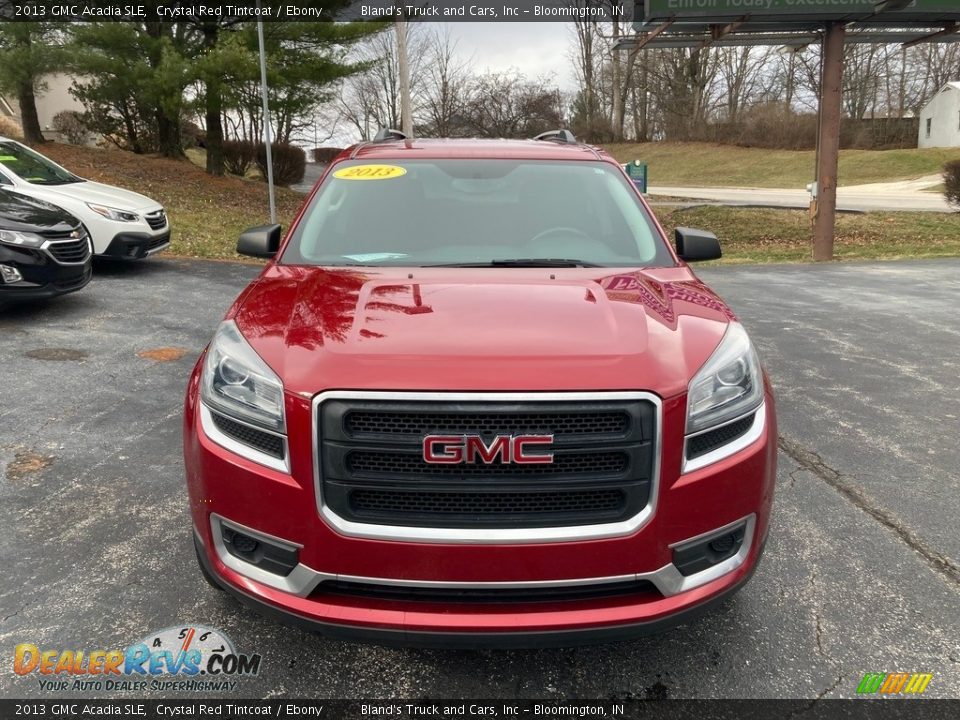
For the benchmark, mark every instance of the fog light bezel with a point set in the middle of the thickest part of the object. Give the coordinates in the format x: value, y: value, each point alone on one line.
x: 696, y: 555
x: 266, y: 553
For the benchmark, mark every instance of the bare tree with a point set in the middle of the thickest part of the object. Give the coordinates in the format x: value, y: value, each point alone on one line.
x: 684, y: 90
x: 587, y: 55
x: 744, y: 78
x: 371, y: 100
x: 509, y: 105
x: 933, y: 66
x: 446, y: 87
x: 861, y: 80
x: 622, y: 78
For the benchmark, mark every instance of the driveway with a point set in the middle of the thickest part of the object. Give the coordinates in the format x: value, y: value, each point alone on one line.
x: 908, y: 195
x: 311, y: 174
x: 861, y: 572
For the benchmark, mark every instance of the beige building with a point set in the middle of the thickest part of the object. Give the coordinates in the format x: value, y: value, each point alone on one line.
x: 54, y: 99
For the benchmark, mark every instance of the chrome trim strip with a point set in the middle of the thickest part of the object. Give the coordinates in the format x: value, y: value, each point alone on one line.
x: 300, y: 582
x: 734, y: 446
x: 303, y: 580
x: 245, y: 451
x: 60, y: 241
x: 488, y: 535
x: 669, y: 580
x: 258, y: 534
x: 158, y: 249
x: 709, y: 533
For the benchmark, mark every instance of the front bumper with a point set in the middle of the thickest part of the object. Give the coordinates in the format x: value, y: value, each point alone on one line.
x: 42, y: 277
x: 227, y: 488
x: 474, y: 640
x: 136, y: 246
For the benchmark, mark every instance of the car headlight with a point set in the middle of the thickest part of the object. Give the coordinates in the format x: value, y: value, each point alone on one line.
x: 113, y: 213
x: 237, y: 382
x: 729, y: 385
x: 21, y: 239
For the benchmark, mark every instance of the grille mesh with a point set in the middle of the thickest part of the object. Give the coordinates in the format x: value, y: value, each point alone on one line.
x: 372, y: 468
x: 499, y: 503
x: 75, y: 282
x: 73, y: 251
x: 401, y: 593
x: 362, y: 422
x: 157, y: 220
x: 258, y: 439
x: 708, y: 441
x: 398, y: 463
x: 158, y: 242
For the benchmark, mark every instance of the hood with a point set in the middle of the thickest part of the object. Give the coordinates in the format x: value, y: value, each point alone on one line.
x: 100, y: 194
x: 25, y: 214
x: 482, y: 329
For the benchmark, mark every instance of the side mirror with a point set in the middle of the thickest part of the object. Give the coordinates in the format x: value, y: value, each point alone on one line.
x: 693, y: 245
x: 262, y: 241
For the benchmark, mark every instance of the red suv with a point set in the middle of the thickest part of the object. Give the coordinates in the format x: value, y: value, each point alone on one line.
x: 475, y: 398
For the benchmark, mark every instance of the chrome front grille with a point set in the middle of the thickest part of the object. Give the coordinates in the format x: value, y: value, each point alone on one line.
x: 371, y: 468
x: 156, y: 220
x: 69, y: 250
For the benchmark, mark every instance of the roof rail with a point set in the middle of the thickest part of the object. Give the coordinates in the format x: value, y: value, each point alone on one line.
x: 384, y: 134
x: 563, y: 135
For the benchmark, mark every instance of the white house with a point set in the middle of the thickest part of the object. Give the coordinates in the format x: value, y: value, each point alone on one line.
x: 940, y: 118
x: 54, y: 98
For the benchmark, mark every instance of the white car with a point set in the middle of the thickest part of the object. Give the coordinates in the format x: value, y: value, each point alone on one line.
x: 121, y: 224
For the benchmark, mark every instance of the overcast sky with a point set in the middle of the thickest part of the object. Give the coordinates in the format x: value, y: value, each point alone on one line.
x: 534, y: 48
x: 537, y: 49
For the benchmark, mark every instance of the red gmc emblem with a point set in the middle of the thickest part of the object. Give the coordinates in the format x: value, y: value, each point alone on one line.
x: 503, y: 449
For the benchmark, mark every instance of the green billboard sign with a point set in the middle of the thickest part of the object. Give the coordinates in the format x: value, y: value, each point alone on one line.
x: 797, y: 10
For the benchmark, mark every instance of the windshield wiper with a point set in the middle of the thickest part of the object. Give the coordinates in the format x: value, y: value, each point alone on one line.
x: 522, y: 262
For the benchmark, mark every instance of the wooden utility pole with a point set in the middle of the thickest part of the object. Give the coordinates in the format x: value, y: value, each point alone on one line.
x: 268, y: 131
x: 828, y: 141
x: 406, y: 112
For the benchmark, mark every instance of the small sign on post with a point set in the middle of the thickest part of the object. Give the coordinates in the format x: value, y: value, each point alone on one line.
x: 637, y: 171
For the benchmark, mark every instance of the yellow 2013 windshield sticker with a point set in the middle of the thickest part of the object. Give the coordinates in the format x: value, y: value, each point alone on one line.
x: 370, y: 172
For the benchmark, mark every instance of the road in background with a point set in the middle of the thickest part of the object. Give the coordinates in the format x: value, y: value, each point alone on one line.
x: 908, y: 195
x: 860, y: 573
x: 311, y: 174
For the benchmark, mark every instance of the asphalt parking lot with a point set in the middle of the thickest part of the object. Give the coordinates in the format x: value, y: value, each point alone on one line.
x: 861, y: 573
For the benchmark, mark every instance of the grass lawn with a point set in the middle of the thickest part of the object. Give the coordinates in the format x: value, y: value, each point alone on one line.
x: 207, y: 214
x: 708, y: 165
x: 751, y: 235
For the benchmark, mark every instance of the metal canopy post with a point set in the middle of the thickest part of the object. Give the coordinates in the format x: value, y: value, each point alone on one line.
x: 828, y: 142
x: 663, y: 24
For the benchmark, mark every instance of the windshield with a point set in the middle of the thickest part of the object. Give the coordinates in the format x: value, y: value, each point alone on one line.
x: 33, y: 167
x: 476, y: 212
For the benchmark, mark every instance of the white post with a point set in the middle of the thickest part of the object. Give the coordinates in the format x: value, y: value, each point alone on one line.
x: 406, y: 119
x: 266, y: 120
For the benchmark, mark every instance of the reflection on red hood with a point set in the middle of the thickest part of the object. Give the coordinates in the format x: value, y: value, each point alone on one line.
x: 493, y: 329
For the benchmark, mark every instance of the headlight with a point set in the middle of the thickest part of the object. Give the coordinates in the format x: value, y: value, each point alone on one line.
x: 237, y: 382
x: 729, y: 384
x: 21, y: 239
x: 113, y: 213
